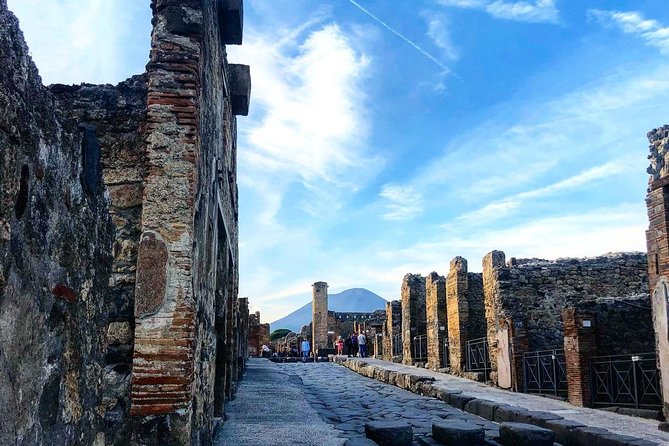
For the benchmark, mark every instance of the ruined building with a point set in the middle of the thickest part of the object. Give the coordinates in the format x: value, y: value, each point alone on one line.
x: 531, y: 325
x: 258, y: 335
x: 657, y: 238
x: 119, y: 316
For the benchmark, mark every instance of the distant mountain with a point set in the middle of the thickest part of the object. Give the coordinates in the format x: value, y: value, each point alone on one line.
x: 357, y: 300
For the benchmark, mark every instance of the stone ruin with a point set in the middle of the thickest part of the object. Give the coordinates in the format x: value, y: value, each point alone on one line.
x: 483, y: 326
x: 258, y: 335
x: 120, y: 321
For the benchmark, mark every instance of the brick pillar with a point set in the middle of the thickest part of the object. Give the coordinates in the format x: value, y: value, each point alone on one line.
x: 320, y: 316
x: 657, y: 240
x: 435, y: 305
x: 457, y: 306
x: 413, y: 313
x: 580, y: 344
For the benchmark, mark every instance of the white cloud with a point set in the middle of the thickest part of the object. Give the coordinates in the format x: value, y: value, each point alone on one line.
x: 439, y: 31
x: 506, y: 206
x: 538, y: 11
x: 402, y: 202
x: 633, y: 22
x: 97, y: 41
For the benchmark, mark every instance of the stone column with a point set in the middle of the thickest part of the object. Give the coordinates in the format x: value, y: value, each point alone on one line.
x: 319, y: 316
x: 457, y: 306
x: 392, y: 327
x: 580, y: 344
x: 493, y: 273
x: 657, y: 240
x: 437, y: 333
x: 413, y: 314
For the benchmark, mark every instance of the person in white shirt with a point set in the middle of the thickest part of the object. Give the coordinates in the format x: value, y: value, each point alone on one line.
x: 305, y: 350
x: 362, y: 344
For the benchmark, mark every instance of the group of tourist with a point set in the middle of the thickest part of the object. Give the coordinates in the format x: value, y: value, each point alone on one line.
x: 353, y: 345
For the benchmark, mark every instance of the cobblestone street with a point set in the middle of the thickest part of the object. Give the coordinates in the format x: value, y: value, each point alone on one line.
x: 349, y: 400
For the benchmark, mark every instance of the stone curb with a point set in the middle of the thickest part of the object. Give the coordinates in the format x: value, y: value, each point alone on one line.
x: 567, y: 432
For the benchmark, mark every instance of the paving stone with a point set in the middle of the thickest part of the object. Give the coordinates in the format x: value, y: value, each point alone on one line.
x: 456, y: 433
x: 388, y: 433
x: 360, y: 442
x: 520, y: 434
x: 563, y: 430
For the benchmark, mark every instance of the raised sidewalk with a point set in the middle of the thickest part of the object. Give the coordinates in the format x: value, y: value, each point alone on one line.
x: 572, y: 425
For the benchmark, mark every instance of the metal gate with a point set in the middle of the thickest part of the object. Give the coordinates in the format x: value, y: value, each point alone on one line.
x: 397, y: 345
x: 445, y: 355
x: 626, y: 380
x: 478, y: 359
x: 545, y: 372
x: 420, y: 348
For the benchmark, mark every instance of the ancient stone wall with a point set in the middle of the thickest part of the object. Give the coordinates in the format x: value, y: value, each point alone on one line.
x: 56, y: 239
x: 258, y: 335
x: 657, y: 240
x: 413, y: 314
x: 142, y: 332
x: 437, y: 325
x: 529, y: 294
x: 457, y: 304
x: 116, y: 115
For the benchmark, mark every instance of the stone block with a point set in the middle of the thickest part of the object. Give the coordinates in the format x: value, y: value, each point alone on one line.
x: 540, y: 418
x: 563, y: 430
x: 182, y: 20
x: 231, y: 21
x: 457, y: 432
x: 611, y: 439
x: 240, y: 88
x: 389, y: 433
x: 587, y: 435
x: 486, y: 409
x: 458, y: 400
x: 472, y: 406
x: 520, y: 434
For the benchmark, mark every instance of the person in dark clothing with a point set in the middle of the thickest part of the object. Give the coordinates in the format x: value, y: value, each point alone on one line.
x: 354, y: 344
x: 347, y: 346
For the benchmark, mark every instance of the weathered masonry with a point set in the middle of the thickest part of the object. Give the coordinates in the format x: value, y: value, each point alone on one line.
x: 657, y: 238
x: 258, y: 335
x: 558, y: 327
x: 120, y: 320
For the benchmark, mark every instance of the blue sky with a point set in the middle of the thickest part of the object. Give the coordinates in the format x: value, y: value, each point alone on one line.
x: 378, y: 146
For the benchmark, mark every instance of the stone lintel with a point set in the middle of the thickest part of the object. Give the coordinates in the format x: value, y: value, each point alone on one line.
x: 240, y: 88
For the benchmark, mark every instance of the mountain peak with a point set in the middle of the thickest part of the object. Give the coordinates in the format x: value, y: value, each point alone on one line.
x: 354, y: 300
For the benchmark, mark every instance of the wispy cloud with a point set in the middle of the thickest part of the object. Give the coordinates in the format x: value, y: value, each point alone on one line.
x: 402, y: 202
x: 401, y: 36
x: 439, y: 31
x: 502, y: 208
x: 632, y: 22
x: 539, y: 11
x: 97, y: 41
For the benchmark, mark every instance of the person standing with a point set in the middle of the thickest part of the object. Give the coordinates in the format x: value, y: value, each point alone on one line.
x: 305, y: 350
x: 348, y: 347
x: 340, y: 346
x: 354, y: 344
x: 362, y: 344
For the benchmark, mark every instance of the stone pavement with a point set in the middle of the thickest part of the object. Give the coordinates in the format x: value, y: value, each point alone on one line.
x: 271, y: 410
x: 349, y: 401
x: 517, y: 402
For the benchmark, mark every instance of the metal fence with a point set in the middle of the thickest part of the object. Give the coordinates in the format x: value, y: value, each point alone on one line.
x: 420, y: 348
x: 445, y: 354
x: 478, y: 359
x: 545, y: 372
x: 397, y: 345
x: 626, y: 380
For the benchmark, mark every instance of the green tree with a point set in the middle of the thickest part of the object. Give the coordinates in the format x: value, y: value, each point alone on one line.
x: 278, y: 334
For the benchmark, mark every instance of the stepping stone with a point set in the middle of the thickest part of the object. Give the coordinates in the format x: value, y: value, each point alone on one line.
x: 456, y: 433
x: 519, y: 434
x: 360, y: 442
x: 389, y: 433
